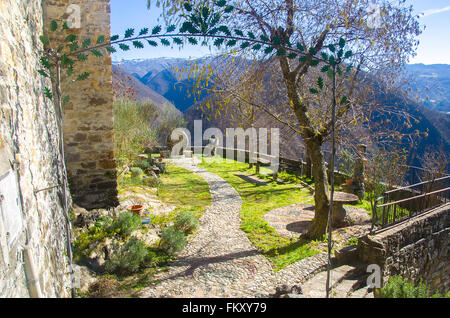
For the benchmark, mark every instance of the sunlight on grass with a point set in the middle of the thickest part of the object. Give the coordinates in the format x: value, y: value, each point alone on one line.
x: 185, y: 190
x: 258, y: 199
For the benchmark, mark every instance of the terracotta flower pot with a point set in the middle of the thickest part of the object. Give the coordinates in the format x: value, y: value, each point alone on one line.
x: 136, y: 209
x: 348, y: 181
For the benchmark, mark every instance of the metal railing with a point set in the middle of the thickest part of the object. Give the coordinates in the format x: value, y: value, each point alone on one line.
x: 401, y: 204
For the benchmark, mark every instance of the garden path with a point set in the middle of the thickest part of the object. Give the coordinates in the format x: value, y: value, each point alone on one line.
x: 219, y: 260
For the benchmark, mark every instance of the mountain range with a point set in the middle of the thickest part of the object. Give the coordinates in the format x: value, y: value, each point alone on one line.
x: 429, y: 102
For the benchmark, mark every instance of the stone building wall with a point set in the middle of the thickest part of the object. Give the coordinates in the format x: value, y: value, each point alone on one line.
x: 28, y: 135
x: 88, y: 117
x: 417, y: 249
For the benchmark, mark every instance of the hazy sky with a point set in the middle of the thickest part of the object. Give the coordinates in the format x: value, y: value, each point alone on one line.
x: 434, y: 45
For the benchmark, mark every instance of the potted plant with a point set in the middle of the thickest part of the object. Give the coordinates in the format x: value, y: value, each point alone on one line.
x: 136, y: 209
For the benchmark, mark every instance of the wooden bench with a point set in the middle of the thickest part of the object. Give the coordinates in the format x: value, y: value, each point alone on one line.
x: 261, y: 162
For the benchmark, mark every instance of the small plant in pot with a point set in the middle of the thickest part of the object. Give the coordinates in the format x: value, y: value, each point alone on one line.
x: 137, y: 209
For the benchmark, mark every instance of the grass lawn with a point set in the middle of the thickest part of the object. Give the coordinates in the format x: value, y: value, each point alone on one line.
x: 258, y: 200
x: 182, y: 188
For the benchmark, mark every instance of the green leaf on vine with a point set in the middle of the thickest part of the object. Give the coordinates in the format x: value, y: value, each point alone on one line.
x: 256, y: 47
x: 264, y: 38
x: 348, y: 54
x: 53, y: 26
x: 45, y: 40
x: 300, y: 47
x: 239, y: 32
x: 73, y: 47
x: 83, y: 76
x: 143, y: 31
x: 187, y: 6
x: 281, y: 52
x: 156, y: 30
x: 343, y: 100
x: 111, y: 49
x: 314, y: 63
x: 218, y: 42
x: 231, y: 43
x: 43, y: 73
x: 124, y: 47
x: 342, y: 43
x: 325, y: 68
x: 268, y: 50
x: 178, y: 41
x: 65, y: 100
x: 165, y: 42
x: 114, y: 38
x: 320, y: 82
x: 100, y: 39
x: 224, y: 29
x: 65, y: 60
x: 313, y: 90
x: 171, y: 28
x: 97, y: 53
x: 86, y: 43
x: 82, y: 57
x: 138, y: 44
x: 193, y: 41
x: 129, y: 33
x: 228, y: 9
x: 71, y: 38
x: 48, y: 93
x: 332, y: 48
x: 292, y: 56
x: 221, y: 3
x: 245, y: 45
x: 251, y: 35
x: 152, y: 43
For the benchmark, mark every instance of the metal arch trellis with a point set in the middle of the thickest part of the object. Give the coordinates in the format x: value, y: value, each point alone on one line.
x: 201, y: 22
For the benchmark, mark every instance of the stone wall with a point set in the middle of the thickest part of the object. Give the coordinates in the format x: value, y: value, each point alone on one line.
x: 88, y: 117
x: 417, y: 249
x: 28, y: 136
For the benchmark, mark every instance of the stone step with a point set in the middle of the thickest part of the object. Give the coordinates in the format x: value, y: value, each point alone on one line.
x: 361, y: 293
x: 316, y: 286
x: 344, y: 288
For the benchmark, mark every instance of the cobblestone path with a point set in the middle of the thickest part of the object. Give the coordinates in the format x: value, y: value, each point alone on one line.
x: 219, y: 260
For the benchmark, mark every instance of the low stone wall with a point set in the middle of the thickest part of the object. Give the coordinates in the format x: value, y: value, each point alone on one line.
x: 416, y: 249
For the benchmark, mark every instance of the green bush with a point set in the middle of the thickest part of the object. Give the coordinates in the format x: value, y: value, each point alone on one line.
x: 136, y: 172
x: 172, y: 240
x: 143, y: 164
x: 152, y: 182
x: 186, y: 222
x: 129, y: 259
x: 398, y: 287
x: 127, y: 222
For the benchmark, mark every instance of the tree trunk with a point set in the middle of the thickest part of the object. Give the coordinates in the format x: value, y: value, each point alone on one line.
x: 321, y: 194
x: 308, y: 163
x: 313, y: 144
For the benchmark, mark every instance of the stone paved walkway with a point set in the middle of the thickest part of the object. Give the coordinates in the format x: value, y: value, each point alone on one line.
x: 219, y: 260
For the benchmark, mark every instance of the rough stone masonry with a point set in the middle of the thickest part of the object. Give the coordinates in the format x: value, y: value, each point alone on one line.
x: 88, y: 117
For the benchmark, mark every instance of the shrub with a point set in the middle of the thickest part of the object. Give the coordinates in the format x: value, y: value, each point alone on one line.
x: 129, y: 259
x: 127, y: 222
x: 172, y: 240
x: 136, y: 172
x: 186, y: 222
x: 143, y: 164
x: 398, y: 287
x: 152, y: 182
